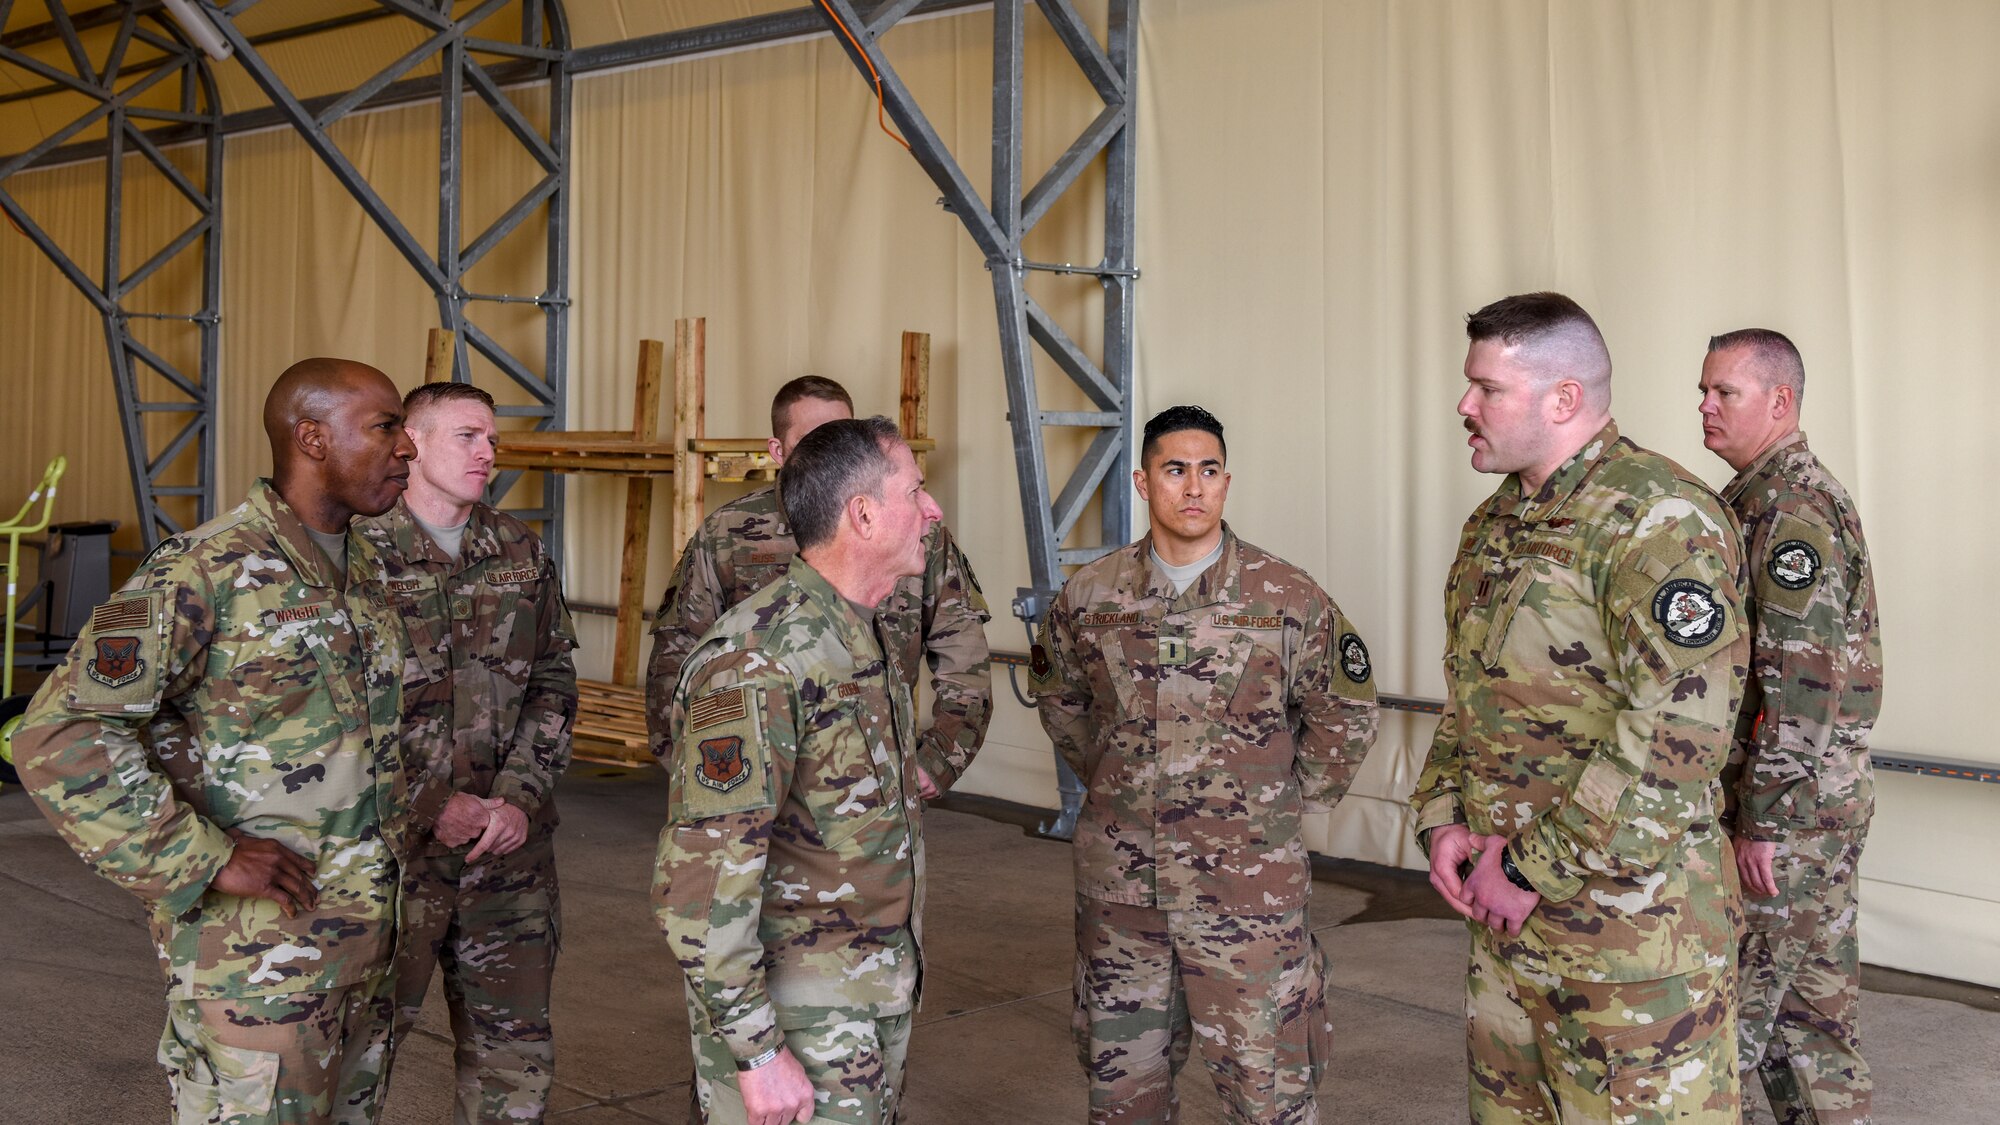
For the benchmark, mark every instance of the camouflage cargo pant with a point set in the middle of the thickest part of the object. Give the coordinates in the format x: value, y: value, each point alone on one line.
x: 310, y: 1058
x: 1250, y: 989
x: 1549, y: 1049
x: 493, y: 929
x: 1801, y: 968
x: 856, y: 1068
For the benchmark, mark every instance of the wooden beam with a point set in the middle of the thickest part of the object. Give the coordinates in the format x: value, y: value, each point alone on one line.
x: 638, y: 518
x: 914, y: 418
x: 690, y: 372
x: 437, y: 355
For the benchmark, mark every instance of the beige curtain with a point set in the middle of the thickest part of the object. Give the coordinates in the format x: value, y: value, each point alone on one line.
x: 1326, y: 188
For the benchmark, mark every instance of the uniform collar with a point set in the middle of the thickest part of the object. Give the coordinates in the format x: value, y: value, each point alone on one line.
x: 1764, y: 463
x: 412, y: 542
x: 1221, y: 583
x: 1568, y: 477
x: 856, y: 635
x: 308, y: 561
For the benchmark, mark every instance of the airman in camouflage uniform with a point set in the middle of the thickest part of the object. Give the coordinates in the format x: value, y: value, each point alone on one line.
x: 489, y: 696
x: 745, y: 545
x: 1208, y: 707
x: 1800, y: 781
x: 1595, y: 660
x: 221, y: 742
x: 790, y: 882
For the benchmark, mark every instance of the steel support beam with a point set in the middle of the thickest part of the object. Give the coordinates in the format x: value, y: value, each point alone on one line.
x: 997, y: 227
x: 541, y: 57
x: 146, y: 382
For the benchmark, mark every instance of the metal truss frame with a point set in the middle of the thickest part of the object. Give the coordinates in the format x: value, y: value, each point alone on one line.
x: 998, y: 229
x: 115, y: 87
x: 543, y: 50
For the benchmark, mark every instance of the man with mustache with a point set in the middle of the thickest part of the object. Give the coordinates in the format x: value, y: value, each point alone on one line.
x: 790, y: 879
x: 1594, y: 658
x: 1209, y: 694
x: 221, y: 742
x: 1800, y: 783
x: 489, y: 697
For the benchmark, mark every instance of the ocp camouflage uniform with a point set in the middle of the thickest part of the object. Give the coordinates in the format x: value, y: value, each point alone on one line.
x: 1204, y: 726
x: 1801, y: 777
x: 1595, y: 660
x: 941, y: 615
x: 238, y: 685
x: 790, y: 881
x: 489, y: 697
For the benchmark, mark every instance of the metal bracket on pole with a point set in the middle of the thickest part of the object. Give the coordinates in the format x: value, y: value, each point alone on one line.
x: 998, y: 228
x: 172, y: 468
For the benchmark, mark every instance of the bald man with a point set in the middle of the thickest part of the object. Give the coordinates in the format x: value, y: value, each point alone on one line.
x: 1595, y: 658
x: 221, y: 742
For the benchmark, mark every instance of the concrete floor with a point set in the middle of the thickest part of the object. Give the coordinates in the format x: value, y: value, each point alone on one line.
x: 80, y: 1009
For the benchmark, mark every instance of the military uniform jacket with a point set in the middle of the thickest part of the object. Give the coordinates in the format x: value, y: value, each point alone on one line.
x: 1816, y: 663
x: 489, y: 690
x: 1204, y: 726
x: 790, y: 882
x: 233, y: 685
x: 941, y: 616
x: 1595, y: 660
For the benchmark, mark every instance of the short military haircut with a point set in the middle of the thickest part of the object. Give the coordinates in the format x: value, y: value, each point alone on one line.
x: 804, y: 387
x: 423, y: 396
x: 1776, y: 358
x: 840, y: 460
x: 1553, y: 335
x: 1173, y: 420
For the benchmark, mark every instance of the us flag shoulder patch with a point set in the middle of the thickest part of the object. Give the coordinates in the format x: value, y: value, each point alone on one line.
x: 716, y: 708
x: 121, y: 615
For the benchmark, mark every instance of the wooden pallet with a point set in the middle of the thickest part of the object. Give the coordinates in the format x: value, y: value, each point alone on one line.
x: 610, y: 724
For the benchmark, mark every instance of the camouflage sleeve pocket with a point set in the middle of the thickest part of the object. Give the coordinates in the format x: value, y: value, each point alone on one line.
x: 117, y: 662
x: 1788, y: 570
x: 724, y: 764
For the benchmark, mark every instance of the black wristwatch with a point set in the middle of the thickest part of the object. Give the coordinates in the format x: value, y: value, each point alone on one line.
x: 1512, y: 872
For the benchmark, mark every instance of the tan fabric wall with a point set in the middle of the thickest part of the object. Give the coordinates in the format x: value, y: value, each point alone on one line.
x: 1326, y: 189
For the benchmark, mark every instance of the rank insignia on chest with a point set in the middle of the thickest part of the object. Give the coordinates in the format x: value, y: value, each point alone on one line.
x: 723, y: 766
x: 1173, y: 651
x: 461, y: 607
x: 117, y: 661
x: 1688, y: 609
x: 1794, y: 564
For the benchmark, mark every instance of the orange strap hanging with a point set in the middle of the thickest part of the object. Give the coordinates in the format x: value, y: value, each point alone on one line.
x: 872, y: 73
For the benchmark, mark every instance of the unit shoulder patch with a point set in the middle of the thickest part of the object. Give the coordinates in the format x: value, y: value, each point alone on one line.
x: 723, y: 766
x: 1794, y: 564
x: 1354, y: 663
x: 1690, y: 612
x: 120, y: 654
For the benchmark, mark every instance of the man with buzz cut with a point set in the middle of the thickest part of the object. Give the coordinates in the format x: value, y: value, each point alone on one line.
x: 489, y: 696
x: 1209, y: 694
x: 790, y: 880
x: 1800, y: 784
x: 938, y: 614
x: 1594, y: 661
x: 221, y: 742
